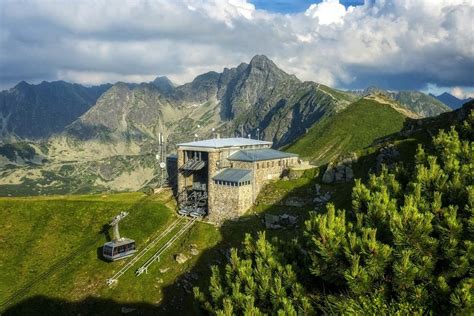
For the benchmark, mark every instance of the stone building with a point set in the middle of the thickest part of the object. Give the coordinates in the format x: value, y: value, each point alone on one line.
x: 223, y: 176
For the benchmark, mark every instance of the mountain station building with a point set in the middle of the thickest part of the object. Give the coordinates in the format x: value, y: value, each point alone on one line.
x: 225, y: 175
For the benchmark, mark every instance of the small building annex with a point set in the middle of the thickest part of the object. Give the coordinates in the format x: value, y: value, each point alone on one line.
x: 223, y: 176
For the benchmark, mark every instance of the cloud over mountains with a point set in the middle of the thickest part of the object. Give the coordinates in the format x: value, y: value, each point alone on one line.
x: 395, y: 44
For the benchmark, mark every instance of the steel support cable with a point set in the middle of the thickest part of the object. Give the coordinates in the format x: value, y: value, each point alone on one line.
x: 61, y: 263
x: 169, y: 243
x: 140, y: 255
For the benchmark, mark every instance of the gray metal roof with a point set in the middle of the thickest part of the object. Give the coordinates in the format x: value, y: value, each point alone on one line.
x: 225, y: 142
x: 252, y: 155
x: 234, y: 175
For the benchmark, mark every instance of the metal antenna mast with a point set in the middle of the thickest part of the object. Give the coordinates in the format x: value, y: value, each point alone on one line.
x: 161, y: 156
x: 114, y: 224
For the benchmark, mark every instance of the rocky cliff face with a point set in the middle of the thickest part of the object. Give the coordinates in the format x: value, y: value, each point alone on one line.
x: 254, y: 96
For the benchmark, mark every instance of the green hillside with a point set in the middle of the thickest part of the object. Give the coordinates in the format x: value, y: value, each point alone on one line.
x: 49, y: 255
x: 354, y: 128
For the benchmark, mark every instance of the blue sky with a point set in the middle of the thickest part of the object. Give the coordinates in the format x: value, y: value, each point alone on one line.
x: 294, y: 6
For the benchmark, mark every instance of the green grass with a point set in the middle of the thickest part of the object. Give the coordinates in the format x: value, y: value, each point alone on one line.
x: 37, y: 233
x: 52, y: 243
x: 352, y: 129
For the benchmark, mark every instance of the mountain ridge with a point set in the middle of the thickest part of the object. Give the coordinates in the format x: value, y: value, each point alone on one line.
x: 450, y: 100
x: 38, y: 111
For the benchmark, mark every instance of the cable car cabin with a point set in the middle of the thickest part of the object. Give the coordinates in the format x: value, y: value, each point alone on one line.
x: 118, y: 249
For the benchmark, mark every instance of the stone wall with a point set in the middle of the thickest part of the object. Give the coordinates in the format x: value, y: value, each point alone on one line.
x: 245, y: 198
x: 211, y: 186
x: 230, y: 202
x: 180, y: 177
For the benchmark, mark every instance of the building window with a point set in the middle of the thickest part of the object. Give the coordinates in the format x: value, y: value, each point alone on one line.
x: 268, y: 164
x: 279, y: 163
x: 258, y: 165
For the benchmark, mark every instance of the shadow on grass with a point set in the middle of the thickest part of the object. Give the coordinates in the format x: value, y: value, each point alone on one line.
x: 42, y: 305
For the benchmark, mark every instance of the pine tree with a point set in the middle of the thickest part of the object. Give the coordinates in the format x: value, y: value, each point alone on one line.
x: 410, y: 241
x: 406, y: 247
x: 257, y: 282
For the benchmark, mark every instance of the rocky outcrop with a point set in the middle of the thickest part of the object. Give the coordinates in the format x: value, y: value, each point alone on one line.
x: 341, y: 171
x: 388, y: 156
x: 321, y: 198
x: 181, y: 258
x: 279, y: 221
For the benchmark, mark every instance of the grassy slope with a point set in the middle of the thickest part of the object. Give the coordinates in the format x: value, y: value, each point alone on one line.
x: 38, y: 233
x: 354, y: 128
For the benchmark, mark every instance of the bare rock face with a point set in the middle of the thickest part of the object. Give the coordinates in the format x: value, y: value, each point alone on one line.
x: 388, y: 156
x: 339, y: 172
x: 193, y: 250
x: 329, y: 174
x: 181, y: 258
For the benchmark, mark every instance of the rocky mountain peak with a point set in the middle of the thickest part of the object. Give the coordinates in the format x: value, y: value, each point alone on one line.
x: 261, y: 61
x: 22, y: 85
x: 374, y: 90
x: 164, y: 84
x: 261, y: 64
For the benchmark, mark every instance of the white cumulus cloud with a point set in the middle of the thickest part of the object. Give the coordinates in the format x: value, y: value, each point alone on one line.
x: 327, y: 12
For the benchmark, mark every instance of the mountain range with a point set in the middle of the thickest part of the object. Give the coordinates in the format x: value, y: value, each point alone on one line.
x: 451, y: 101
x: 104, y: 137
x: 38, y: 111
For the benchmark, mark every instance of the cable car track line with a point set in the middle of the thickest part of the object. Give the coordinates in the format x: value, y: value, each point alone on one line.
x: 169, y: 243
x: 149, y: 246
x: 58, y: 265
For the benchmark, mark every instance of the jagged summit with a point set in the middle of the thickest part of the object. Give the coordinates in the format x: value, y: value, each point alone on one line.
x: 21, y: 85
x: 261, y: 60
x: 164, y: 84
